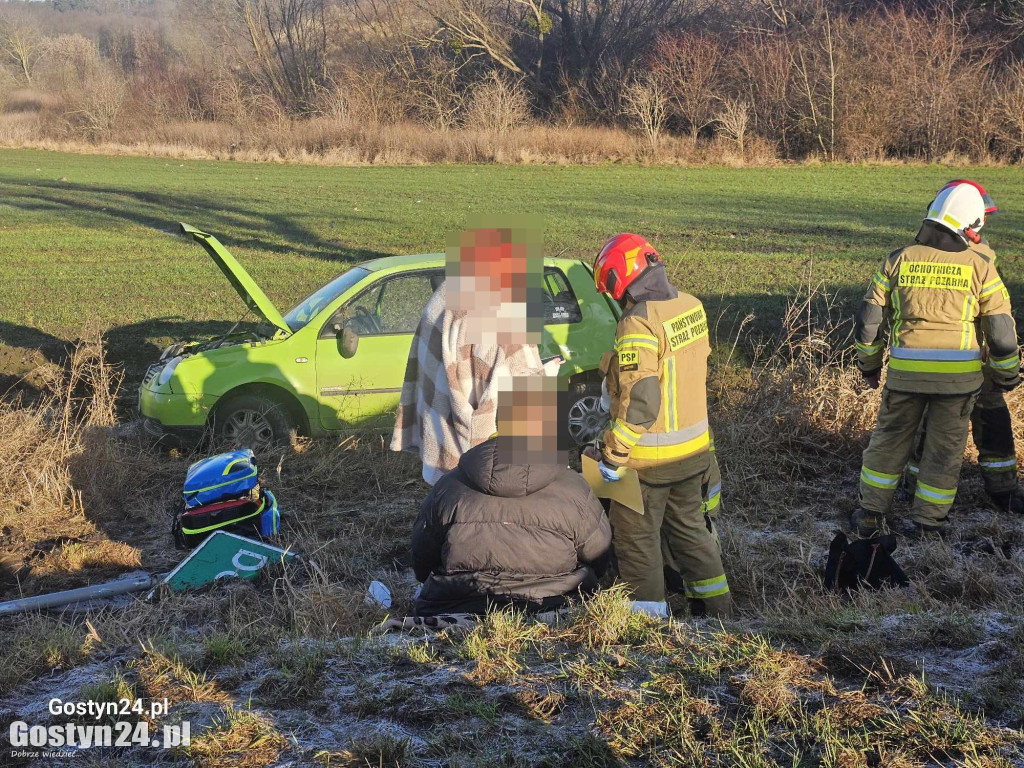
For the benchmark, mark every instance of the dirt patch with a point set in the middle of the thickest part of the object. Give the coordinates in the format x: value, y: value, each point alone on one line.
x: 25, y: 373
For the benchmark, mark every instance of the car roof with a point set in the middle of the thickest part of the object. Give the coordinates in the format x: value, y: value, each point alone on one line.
x: 392, y: 262
x: 436, y: 260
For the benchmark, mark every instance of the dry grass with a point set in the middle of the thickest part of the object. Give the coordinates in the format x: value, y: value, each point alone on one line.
x: 801, y: 677
x: 238, y: 738
x: 345, y: 141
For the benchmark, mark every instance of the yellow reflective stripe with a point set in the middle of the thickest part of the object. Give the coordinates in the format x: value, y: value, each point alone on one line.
x: 713, y: 499
x: 671, y: 450
x: 881, y: 281
x: 894, y: 337
x: 233, y: 464
x: 934, y: 495
x: 967, y: 324
x: 881, y: 480
x: 719, y: 585
x: 672, y: 412
x: 666, y: 387
x: 1004, y: 363
x: 950, y: 220
x: 867, y: 349
x: 636, y: 340
x: 934, y: 366
x: 220, y: 485
x: 999, y: 464
x: 991, y: 286
x: 636, y: 345
x: 193, y: 531
x: 625, y: 434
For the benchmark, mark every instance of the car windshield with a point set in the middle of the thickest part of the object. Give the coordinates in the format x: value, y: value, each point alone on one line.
x: 307, y: 309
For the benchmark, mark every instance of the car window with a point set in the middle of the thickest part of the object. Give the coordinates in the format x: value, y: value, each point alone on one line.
x: 308, y: 308
x: 392, y: 305
x: 560, y: 304
x: 402, y: 300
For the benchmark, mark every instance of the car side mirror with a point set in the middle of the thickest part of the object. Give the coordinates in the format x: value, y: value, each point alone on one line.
x: 349, y: 342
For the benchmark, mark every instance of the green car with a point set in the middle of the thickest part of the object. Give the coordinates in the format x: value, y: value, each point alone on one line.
x: 336, y: 361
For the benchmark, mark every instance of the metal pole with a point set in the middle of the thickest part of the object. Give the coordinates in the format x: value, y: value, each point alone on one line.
x: 123, y: 586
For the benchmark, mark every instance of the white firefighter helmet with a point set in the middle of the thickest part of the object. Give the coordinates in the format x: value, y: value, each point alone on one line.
x: 962, y: 207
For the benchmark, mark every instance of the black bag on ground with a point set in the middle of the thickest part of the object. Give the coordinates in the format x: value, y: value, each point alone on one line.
x: 865, y: 561
x: 245, y: 516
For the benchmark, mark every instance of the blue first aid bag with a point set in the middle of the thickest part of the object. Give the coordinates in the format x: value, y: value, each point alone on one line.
x: 224, y: 476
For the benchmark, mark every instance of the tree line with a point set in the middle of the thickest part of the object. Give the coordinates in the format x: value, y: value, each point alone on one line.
x: 779, y: 78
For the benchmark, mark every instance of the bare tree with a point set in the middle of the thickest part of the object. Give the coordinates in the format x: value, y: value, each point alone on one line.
x: 509, y: 34
x: 816, y: 65
x: 21, y: 45
x: 599, y: 43
x: 498, y: 104
x: 762, y: 67
x: 95, y: 111
x: 1011, y: 106
x: 288, y: 42
x: 688, y: 67
x: 439, y: 95
x: 733, y: 121
x: 644, y: 100
x: 936, y: 61
x: 377, y: 94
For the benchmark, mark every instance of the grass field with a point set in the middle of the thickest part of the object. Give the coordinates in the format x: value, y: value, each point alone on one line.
x: 282, y: 671
x: 85, y: 239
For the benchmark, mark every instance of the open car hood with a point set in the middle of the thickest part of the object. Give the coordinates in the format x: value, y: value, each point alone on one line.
x: 253, y: 296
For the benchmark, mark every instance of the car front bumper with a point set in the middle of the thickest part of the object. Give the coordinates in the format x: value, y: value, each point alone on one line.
x: 172, y: 437
x: 170, y: 414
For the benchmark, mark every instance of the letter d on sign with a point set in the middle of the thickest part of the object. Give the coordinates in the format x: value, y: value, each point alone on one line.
x: 256, y: 560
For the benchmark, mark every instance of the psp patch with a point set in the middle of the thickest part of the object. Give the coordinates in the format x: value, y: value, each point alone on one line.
x: 629, y: 360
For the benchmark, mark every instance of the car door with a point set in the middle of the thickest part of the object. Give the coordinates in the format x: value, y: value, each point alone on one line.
x: 564, y: 330
x: 363, y: 390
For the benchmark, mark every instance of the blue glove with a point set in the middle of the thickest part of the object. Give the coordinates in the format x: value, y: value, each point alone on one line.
x: 609, y: 474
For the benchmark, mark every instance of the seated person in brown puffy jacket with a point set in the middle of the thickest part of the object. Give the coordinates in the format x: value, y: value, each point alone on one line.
x: 511, y: 525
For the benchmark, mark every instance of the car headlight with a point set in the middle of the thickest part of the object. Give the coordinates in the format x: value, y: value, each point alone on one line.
x: 168, y: 371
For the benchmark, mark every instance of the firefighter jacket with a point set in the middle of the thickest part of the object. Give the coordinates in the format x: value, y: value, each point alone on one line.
x: 945, y: 304
x: 656, y: 381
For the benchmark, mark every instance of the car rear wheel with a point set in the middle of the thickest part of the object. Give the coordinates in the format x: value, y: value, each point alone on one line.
x: 587, y: 419
x: 253, y: 421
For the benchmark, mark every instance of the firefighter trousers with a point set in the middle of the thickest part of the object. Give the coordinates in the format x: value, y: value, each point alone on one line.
x: 992, y: 430
x: 946, y: 423
x: 993, y: 436
x: 711, y: 492
x: 673, y: 513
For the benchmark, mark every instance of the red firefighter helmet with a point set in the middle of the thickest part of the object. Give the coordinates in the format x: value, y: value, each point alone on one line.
x: 622, y: 260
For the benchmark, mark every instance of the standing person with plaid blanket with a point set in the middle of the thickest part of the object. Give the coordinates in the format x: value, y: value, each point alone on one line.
x: 482, y: 332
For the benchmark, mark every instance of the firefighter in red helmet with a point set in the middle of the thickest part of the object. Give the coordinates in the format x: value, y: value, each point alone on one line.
x: 656, y: 381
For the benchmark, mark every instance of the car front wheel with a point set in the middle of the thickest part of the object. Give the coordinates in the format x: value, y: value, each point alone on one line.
x: 587, y: 419
x: 252, y: 421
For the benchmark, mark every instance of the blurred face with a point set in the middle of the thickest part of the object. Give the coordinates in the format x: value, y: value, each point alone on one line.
x: 529, y: 411
x: 494, y: 275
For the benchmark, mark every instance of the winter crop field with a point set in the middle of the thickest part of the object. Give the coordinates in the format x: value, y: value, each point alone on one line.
x: 85, y: 238
x: 284, y: 670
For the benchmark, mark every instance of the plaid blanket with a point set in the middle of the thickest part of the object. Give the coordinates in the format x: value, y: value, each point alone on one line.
x: 449, y: 398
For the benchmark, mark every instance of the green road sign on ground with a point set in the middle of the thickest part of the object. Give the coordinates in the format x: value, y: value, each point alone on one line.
x: 224, y: 555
